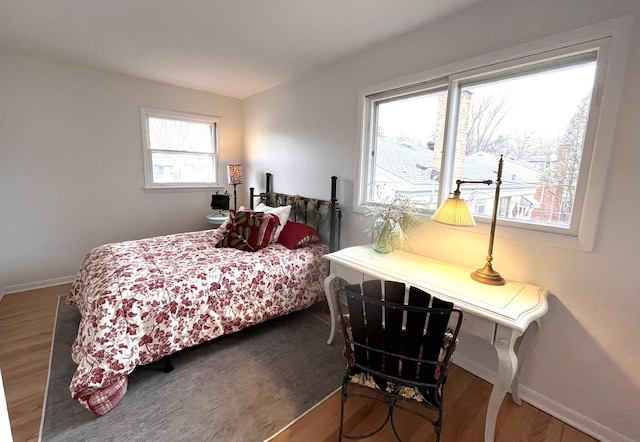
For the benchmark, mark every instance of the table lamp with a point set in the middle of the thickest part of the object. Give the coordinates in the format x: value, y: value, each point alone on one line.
x: 234, y: 176
x: 454, y: 211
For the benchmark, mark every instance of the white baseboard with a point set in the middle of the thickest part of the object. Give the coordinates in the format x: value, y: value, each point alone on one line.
x: 555, y: 409
x: 35, y: 285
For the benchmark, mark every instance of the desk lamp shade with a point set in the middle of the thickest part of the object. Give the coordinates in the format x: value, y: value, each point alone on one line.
x: 454, y: 211
x: 234, y: 173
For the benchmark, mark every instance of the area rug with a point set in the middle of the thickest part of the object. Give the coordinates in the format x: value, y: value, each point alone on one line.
x: 244, y: 387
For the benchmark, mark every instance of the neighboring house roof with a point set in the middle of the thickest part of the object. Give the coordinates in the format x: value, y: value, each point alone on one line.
x: 414, y: 165
x: 483, y: 166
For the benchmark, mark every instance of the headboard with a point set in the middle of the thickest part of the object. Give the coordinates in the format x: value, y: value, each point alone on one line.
x: 325, y: 216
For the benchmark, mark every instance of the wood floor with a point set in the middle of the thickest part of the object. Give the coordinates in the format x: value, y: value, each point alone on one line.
x: 26, y: 326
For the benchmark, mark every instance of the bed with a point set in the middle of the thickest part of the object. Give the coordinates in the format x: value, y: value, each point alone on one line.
x: 140, y: 301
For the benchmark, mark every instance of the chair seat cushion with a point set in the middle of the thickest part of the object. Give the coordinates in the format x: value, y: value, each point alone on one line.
x: 423, y: 395
x: 412, y: 393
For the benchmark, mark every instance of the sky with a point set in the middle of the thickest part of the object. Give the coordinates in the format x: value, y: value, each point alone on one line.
x: 543, y: 103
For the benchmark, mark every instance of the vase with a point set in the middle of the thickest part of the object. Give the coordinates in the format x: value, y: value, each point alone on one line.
x: 383, y: 235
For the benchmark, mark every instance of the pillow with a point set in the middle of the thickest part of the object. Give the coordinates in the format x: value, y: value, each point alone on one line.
x: 295, y: 235
x: 281, y: 212
x: 249, y: 231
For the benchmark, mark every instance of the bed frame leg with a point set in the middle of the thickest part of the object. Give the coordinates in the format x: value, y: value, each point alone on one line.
x: 168, y: 366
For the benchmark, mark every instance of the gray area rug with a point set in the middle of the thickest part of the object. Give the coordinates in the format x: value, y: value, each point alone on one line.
x: 243, y: 387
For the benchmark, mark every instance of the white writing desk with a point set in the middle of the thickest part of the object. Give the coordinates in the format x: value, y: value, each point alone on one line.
x: 497, y: 314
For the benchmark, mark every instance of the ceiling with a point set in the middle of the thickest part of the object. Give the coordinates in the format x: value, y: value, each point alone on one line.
x: 235, y: 48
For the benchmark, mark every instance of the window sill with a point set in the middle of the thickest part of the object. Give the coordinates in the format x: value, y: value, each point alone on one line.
x: 583, y: 242
x: 182, y: 189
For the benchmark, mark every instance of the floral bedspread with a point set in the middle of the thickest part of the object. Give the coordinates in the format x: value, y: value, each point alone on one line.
x: 142, y: 300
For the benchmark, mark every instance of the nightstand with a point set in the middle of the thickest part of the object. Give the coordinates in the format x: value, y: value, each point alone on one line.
x: 217, y: 219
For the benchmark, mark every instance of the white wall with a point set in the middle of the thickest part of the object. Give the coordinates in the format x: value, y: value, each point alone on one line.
x: 71, y: 179
x: 71, y: 165
x: 585, y: 367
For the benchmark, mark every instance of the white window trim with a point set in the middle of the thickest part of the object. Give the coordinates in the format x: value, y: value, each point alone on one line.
x: 149, y: 184
x: 618, y: 30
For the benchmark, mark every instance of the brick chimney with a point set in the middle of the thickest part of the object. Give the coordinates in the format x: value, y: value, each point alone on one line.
x: 461, y: 133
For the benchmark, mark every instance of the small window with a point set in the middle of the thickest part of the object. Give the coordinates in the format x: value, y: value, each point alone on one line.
x: 180, y: 149
x: 542, y: 110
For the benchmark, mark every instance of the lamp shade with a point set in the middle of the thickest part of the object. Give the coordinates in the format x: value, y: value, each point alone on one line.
x: 454, y: 211
x: 234, y: 173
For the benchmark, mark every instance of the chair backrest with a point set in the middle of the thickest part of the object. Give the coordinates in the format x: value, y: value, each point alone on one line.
x: 398, y: 335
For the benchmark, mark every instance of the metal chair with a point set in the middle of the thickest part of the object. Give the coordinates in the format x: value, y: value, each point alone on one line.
x: 399, y: 343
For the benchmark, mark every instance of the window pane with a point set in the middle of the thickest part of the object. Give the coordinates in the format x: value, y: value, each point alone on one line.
x: 182, y: 168
x: 538, y: 122
x: 405, y: 158
x: 178, y: 135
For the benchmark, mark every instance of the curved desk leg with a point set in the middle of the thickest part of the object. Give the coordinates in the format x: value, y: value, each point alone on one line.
x: 526, y: 344
x: 331, y: 294
x: 507, y: 366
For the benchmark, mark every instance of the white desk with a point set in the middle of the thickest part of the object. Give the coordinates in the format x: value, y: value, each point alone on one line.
x: 497, y: 314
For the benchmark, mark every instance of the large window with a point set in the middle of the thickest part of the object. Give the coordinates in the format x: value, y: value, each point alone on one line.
x: 179, y: 149
x: 540, y: 111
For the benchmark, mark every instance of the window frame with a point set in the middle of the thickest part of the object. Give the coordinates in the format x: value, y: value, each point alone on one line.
x: 213, y: 121
x: 543, y: 61
x: 611, y: 38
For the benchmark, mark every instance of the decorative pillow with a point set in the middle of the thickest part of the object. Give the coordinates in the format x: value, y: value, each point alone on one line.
x: 296, y: 235
x: 249, y: 231
x: 281, y: 212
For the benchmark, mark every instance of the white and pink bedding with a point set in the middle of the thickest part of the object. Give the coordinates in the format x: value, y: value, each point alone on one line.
x: 146, y: 299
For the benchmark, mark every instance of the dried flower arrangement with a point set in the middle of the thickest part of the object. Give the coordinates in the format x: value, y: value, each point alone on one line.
x: 394, y: 217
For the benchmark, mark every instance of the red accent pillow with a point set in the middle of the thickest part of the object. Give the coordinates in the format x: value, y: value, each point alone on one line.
x: 295, y: 235
x: 249, y: 231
